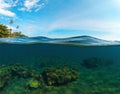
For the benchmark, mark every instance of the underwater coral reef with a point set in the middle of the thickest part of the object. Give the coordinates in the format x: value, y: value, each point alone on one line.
x: 55, y: 76
x: 92, y: 75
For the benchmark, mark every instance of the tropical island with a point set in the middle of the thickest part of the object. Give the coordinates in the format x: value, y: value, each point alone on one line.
x: 7, y: 32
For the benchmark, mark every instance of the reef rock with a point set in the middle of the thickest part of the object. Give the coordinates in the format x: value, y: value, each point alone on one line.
x: 96, y: 62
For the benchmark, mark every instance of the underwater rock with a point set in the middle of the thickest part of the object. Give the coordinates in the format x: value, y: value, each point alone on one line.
x: 5, y: 76
x: 95, y: 62
x: 59, y: 76
x: 91, y: 62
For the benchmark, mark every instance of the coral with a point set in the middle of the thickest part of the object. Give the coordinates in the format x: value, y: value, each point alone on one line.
x: 19, y: 70
x: 33, y: 83
x: 35, y: 80
x: 34, y: 74
x: 59, y: 76
x: 5, y: 76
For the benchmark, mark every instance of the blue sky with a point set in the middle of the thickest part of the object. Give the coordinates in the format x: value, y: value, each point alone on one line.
x: 63, y: 18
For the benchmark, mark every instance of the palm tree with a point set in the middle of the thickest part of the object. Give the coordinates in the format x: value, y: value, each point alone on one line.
x: 17, y: 26
x: 11, y: 22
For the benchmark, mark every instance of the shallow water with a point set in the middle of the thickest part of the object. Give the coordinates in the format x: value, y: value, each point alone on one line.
x: 103, y: 78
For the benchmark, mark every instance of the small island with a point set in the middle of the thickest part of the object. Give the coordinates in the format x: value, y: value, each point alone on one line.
x: 7, y: 32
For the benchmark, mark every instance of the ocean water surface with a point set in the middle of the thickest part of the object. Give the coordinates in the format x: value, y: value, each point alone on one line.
x: 76, y: 65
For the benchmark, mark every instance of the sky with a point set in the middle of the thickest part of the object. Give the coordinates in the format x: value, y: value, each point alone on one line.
x: 63, y: 18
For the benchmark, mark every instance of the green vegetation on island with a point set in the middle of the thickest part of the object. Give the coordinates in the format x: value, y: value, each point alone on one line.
x: 7, y: 32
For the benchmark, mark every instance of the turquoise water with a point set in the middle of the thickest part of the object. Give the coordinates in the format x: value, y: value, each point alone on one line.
x: 102, y: 77
x: 76, y: 65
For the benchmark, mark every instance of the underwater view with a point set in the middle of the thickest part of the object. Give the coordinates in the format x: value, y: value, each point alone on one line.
x: 38, y: 67
x: 59, y: 46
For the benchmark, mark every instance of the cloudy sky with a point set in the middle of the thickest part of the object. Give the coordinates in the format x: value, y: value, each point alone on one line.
x: 63, y: 18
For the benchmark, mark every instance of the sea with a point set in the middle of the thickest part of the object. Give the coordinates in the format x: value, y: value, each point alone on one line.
x: 96, y: 61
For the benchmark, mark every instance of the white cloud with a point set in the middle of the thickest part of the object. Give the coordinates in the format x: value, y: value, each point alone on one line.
x: 111, y: 29
x: 25, y: 5
x: 39, y: 7
x: 22, y: 9
x: 7, y: 12
x: 11, y: 2
x: 32, y: 4
x: 4, y: 9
